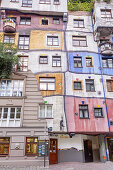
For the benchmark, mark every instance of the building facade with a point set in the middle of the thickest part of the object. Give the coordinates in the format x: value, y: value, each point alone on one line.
x: 69, y: 109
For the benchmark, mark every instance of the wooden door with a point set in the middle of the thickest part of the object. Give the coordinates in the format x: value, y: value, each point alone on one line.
x: 88, y: 151
x: 53, y: 151
x: 110, y: 147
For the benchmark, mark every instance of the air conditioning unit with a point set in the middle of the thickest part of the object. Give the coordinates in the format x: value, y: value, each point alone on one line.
x: 65, y: 17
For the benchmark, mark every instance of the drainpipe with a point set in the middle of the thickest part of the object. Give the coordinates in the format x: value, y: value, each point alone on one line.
x: 100, y: 63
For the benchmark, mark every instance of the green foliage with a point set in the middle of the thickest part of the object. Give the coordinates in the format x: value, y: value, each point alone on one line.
x: 80, y: 5
x: 8, y: 59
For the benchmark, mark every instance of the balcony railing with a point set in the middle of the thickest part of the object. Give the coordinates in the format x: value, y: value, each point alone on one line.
x: 9, y: 26
x: 106, y: 48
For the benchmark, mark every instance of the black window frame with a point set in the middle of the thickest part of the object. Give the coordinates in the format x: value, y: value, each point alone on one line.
x: 87, y: 62
x: 24, y: 42
x: 25, y: 18
x: 43, y: 20
x: 10, y: 36
x: 102, y: 115
x: 107, y: 62
x: 79, y: 61
x: 52, y: 37
x: 42, y: 61
x: 90, y: 84
x: 54, y: 60
x: 24, y: 4
x: 83, y: 111
x: 56, y: 18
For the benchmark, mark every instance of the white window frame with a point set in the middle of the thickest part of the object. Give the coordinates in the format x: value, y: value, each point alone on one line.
x: 13, y: 90
x: 47, y: 83
x: 44, y: 1
x: 45, y: 113
x: 10, y: 122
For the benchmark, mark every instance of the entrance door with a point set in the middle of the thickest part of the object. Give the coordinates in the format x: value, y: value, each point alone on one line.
x: 110, y: 147
x: 88, y: 151
x: 53, y: 151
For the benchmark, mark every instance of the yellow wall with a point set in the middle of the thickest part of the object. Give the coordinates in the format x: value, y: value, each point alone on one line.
x: 59, y: 83
x: 38, y: 40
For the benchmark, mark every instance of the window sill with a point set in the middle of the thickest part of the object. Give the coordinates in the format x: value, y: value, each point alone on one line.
x: 78, y: 89
x: 89, y: 66
x: 56, y: 3
x: 27, y: 6
x: 47, y: 90
x: 4, y: 155
x: 78, y: 67
x: 15, y: 1
x: 78, y: 27
x: 45, y: 118
x: 79, y: 46
x: 56, y: 66
x: 90, y: 91
x: 45, y: 3
x: 99, y: 117
x: 12, y: 97
x: 25, y: 24
x: 84, y: 118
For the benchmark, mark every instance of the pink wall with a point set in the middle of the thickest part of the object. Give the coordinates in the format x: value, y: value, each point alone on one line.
x: 35, y: 22
x: 110, y: 111
x: 75, y: 124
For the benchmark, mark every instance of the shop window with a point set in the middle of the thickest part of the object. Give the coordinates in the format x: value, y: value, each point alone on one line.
x: 32, y: 146
x: 52, y: 41
x: 9, y: 39
x: 4, y: 146
x: 45, y: 22
x: 47, y: 83
x: 89, y: 62
x: 11, y: 88
x: 90, y: 86
x: 83, y: 111
x: 45, y: 1
x: 106, y: 13
x: 78, y: 23
x: 77, y: 62
x: 107, y: 62
x: 77, y: 85
x: 79, y: 41
x: 23, y: 63
x: 45, y: 111
x: 10, y: 116
x: 27, y: 3
x: 56, y: 21
x: 43, y: 60
x: 98, y: 112
x: 25, y: 20
x: 110, y: 85
x: 56, y: 61
x: 23, y: 42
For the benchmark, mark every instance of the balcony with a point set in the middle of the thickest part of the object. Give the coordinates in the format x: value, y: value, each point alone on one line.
x: 106, y: 48
x: 9, y: 26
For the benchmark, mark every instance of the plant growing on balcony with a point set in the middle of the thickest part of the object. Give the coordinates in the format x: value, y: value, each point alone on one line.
x: 80, y: 5
x: 8, y: 59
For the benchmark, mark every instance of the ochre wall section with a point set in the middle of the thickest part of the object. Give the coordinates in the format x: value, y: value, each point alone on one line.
x: 59, y: 83
x: 38, y: 40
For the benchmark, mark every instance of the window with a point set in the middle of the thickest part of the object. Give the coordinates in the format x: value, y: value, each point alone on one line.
x: 45, y: 1
x: 56, y: 1
x: 11, y: 88
x: 106, y: 13
x: 24, y: 42
x: 47, y: 83
x: 32, y: 146
x: 27, y: 3
x: 77, y: 85
x: 45, y: 111
x: 10, y: 116
x: 14, y: 0
x: 45, y: 22
x: 52, y: 41
x: 56, y: 21
x: 83, y: 111
x: 4, y: 146
x: 79, y: 23
x: 79, y: 41
x: 90, y: 86
x: 77, y: 62
x: 43, y: 60
x: 56, y: 61
x: 89, y: 62
x: 98, y: 112
x: 107, y: 62
x: 110, y: 85
x: 9, y: 39
x: 25, y: 21
x: 23, y: 63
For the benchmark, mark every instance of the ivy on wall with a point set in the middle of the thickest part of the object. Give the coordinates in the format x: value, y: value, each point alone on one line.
x: 8, y: 59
